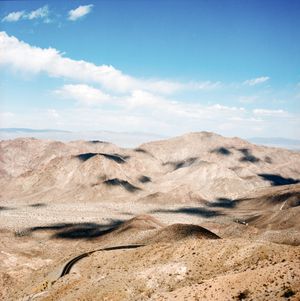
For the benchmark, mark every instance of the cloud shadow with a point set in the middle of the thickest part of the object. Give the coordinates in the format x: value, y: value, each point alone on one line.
x: 180, y: 164
x: 222, y: 151
x: 77, y: 230
x: 248, y: 157
x: 198, y: 211
x: 278, y: 180
x: 37, y: 205
x: 114, y: 157
x: 122, y: 183
x: 4, y: 208
x: 98, y: 142
x: 222, y: 203
x: 144, y: 179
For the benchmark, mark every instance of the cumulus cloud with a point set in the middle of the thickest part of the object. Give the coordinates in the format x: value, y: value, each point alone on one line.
x: 14, y: 16
x: 147, y: 112
x: 25, y: 57
x: 145, y: 103
x: 83, y: 94
x: 40, y: 13
x: 79, y: 12
x: 125, y: 102
x: 256, y: 81
x: 160, y: 114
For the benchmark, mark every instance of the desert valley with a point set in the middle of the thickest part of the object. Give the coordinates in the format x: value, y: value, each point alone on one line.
x: 195, y: 217
x: 149, y: 150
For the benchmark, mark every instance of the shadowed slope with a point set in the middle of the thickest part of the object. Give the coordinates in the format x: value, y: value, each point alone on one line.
x: 125, y: 184
x: 178, y: 232
x: 277, y: 180
x: 115, y: 157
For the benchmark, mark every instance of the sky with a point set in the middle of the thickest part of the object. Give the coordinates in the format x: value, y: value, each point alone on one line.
x: 164, y: 67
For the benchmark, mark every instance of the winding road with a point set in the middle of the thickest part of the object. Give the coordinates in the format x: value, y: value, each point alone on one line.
x: 68, y: 266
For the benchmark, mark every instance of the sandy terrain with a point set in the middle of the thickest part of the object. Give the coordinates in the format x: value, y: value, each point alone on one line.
x: 214, y: 218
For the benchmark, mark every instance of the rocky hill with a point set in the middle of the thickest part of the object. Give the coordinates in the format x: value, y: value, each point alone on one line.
x: 196, y: 166
x: 196, y: 217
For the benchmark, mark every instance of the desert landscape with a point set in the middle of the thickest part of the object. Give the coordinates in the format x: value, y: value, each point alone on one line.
x: 149, y: 150
x: 195, y: 217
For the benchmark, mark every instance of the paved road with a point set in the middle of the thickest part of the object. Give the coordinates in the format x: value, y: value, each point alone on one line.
x: 67, y: 267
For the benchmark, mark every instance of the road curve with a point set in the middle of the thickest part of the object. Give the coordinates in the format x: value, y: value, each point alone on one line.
x: 67, y: 267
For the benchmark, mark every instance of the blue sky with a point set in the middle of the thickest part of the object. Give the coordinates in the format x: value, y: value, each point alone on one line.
x: 166, y: 67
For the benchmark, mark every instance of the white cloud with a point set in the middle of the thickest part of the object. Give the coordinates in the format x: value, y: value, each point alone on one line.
x: 83, y: 94
x: 206, y: 85
x: 270, y: 113
x: 144, y: 111
x: 126, y: 103
x: 25, y: 57
x: 168, y: 87
x: 14, y: 16
x: 146, y: 104
x: 256, y: 81
x: 154, y: 120
x: 40, y: 13
x: 79, y: 12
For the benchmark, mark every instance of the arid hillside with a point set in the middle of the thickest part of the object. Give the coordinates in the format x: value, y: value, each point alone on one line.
x: 196, y: 217
x: 196, y: 166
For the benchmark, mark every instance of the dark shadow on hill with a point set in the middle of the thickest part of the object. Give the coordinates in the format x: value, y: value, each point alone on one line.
x: 248, y: 157
x: 268, y: 160
x: 180, y: 164
x: 98, y: 142
x: 37, y: 205
x: 292, y: 199
x: 86, y: 156
x: 77, y: 230
x: 203, y: 212
x: 222, y: 203
x: 278, y: 180
x: 114, y: 157
x: 122, y: 183
x: 140, y: 150
x: 222, y: 151
x: 144, y: 179
x: 3, y: 208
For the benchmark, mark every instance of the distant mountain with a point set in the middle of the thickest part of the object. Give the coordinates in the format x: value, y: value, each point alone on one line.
x: 123, y: 139
x: 277, y: 142
x: 194, y: 167
x: 25, y: 130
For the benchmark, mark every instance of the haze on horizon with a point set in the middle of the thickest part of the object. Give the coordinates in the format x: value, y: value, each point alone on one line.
x: 127, y: 166
x: 166, y: 67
